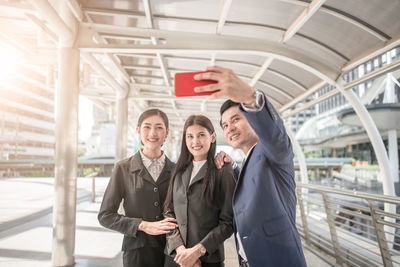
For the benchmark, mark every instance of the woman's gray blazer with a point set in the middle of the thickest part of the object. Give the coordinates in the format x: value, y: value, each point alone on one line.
x: 143, y: 200
x: 197, y: 220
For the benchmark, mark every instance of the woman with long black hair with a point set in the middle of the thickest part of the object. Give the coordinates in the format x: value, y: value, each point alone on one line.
x: 200, y: 198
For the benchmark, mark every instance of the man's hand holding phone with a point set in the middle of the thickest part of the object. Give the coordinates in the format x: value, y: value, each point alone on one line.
x: 185, y: 84
x: 228, y: 85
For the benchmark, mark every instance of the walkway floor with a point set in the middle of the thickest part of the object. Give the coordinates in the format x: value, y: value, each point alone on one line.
x: 26, y: 227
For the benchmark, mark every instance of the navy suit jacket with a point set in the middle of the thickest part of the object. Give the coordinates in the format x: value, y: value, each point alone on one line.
x: 264, y: 201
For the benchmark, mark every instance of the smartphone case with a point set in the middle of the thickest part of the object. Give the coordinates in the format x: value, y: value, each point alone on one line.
x: 185, y: 84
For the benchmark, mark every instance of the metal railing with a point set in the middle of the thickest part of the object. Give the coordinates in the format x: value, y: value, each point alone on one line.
x: 357, y: 229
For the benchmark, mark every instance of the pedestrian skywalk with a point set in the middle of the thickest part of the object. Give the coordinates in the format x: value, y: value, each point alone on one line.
x: 26, y: 202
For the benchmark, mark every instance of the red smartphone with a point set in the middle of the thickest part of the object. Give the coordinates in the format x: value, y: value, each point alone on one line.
x: 185, y: 84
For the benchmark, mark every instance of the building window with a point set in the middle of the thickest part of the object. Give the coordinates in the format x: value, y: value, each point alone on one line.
x: 368, y: 67
x: 383, y: 59
x: 376, y: 63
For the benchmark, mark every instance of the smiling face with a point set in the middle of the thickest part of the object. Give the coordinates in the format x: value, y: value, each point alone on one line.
x: 198, y: 141
x: 237, y: 131
x: 152, y: 132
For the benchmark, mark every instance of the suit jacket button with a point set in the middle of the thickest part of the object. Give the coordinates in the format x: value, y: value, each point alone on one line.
x: 157, y: 218
x: 156, y: 204
x: 155, y: 189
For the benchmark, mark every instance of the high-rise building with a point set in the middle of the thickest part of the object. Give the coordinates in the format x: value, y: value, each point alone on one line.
x: 26, y: 116
x: 296, y: 121
x: 325, y: 130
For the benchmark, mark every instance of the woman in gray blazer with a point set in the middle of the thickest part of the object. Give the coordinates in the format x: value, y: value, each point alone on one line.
x: 141, y: 181
x: 200, y: 198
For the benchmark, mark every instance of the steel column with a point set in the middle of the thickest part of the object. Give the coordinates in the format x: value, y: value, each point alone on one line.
x: 64, y: 211
x: 121, y: 128
x: 393, y: 154
x: 379, y: 148
x: 300, y: 156
x: 374, y: 136
x: 168, y: 145
x: 390, y: 97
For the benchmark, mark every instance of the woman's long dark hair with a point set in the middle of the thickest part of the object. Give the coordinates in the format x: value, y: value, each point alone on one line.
x: 186, y: 158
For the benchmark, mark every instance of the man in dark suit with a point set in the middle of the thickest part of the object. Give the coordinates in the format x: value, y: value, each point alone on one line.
x: 264, y: 201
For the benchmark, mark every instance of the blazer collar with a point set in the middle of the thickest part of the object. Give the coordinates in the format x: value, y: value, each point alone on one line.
x: 165, y: 174
x: 136, y: 164
x: 200, y: 175
x: 246, y: 161
x: 240, y: 177
x: 186, y: 176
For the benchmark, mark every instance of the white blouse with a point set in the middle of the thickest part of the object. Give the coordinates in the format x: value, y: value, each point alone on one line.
x: 196, y: 167
x: 154, y: 166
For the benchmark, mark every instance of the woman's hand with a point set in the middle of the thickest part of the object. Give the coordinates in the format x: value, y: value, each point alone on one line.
x: 180, y: 248
x: 187, y: 257
x: 197, y: 263
x: 158, y: 228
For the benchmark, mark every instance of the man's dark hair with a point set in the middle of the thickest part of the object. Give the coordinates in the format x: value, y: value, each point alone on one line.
x: 226, y: 105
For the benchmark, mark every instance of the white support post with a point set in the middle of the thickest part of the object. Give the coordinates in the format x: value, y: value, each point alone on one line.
x: 302, y: 19
x: 374, y: 136
x: 393, y: 154
x: 64, y: 211
x: 168, y: 145
x: 176, y: 147
x: 380, y: 151
x: 300, y: 156
x: 261, y: 71
x: 121, y: 128
x: 390, y: 97
x: 226, y: 5
x: 178, y: 143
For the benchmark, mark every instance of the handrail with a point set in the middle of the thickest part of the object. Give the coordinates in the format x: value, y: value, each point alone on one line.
x: 367, y: 196
x: 355, y: 234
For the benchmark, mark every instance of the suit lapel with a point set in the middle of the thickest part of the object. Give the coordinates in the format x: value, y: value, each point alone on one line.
x: 186, y: 176
x: 146, y: 175
x: 165, y: 174
x: 242, y: 170
x: 200, y: 175
x: 137, y: 165
x: 241, y: 174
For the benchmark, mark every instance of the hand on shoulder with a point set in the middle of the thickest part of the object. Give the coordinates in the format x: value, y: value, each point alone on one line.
x: 221, y: 159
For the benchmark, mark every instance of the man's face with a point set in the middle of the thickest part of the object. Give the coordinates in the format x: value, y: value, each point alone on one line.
x: 237, y: 131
